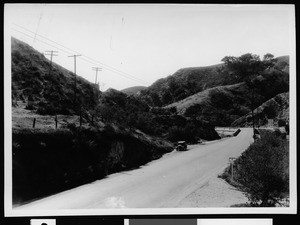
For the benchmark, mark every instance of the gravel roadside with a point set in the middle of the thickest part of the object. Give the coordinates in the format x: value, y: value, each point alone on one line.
x: 214, y: 193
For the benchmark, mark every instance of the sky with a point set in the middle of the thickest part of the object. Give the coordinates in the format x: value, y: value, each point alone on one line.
x: 136, y: 44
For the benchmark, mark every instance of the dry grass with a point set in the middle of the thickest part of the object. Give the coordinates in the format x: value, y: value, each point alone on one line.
x: 23, y: 118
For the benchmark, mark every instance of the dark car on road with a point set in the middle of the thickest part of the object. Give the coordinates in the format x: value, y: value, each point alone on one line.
x: 181, y: 146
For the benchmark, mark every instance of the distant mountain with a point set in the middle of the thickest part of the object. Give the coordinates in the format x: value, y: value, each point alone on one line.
x: 133, y: 90
x: 276, y: 108
x: 188, y: 81
x: 47, y: 93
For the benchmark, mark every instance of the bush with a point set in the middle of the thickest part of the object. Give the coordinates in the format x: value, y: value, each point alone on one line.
x: 192, y: 131
x: 46, y: 108
x: 262, y: 170
x: 281, y: 123
x: 194, y: 110
x: 176, y: 133
x: 30, y: 105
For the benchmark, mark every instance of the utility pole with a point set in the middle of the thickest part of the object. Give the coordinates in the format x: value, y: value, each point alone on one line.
x: 51, y: 53
x: 75, y: 90
x: 98, y: 87
x: 96, y: 69
x: 252, y: 109
x: 231, y: 160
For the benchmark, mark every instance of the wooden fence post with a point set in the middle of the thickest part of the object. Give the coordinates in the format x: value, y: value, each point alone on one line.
x: 80, y: 119
x: 34, y: 120
x: 55, y: 121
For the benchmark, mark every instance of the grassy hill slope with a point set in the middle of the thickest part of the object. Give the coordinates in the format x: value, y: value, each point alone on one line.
x: 48, y: 94
x: 276, y: 108
x: 185, y: 82
x: 188, y: 81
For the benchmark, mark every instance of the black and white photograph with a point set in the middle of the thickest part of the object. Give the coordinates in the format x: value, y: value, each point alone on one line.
x: 121, y: 109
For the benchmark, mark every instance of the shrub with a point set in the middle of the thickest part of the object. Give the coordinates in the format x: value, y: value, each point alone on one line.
x: 193, y: 110
x: 46, y: 108
x: 176, y: 133
x: 281, y: 123
x: 262, y: 170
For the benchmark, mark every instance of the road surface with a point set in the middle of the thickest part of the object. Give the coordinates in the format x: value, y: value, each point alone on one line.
x: 161, y: 183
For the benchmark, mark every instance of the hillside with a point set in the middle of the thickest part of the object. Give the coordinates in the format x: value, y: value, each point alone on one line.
x: 47, y: 94
x: 185, y: 82
x: 133, y: 90
x: 218, y: 105
x: 133, y: 112
x: 54, y: 95
x: 206, y: 97
x: 276, y: 108
x: 188, y: 81
x: 224, y: 104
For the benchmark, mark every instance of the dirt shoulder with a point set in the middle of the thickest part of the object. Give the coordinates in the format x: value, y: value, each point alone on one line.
x: 214, y: 193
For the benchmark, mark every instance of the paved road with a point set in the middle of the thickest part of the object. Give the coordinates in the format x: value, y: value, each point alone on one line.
x: 161, y: 183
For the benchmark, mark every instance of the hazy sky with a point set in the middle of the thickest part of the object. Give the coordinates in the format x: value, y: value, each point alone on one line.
x: 147, y: 42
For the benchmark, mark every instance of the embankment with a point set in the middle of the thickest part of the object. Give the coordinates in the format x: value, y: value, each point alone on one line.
x: 48, y: 161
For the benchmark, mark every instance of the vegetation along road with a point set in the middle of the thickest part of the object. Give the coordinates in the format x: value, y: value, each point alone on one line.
x: 160, y: 183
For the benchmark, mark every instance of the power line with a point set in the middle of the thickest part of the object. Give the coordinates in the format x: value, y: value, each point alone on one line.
x: 115, y: 71
x: 42, y: 41
x: 80, y: 58
x: 82, y: 55
x: 112, y: 69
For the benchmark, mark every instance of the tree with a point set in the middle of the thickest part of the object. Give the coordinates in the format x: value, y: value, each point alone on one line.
x: 173, y: 85
x: 155, y: 99
x: 167, y: 97
x: 246, y: 68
